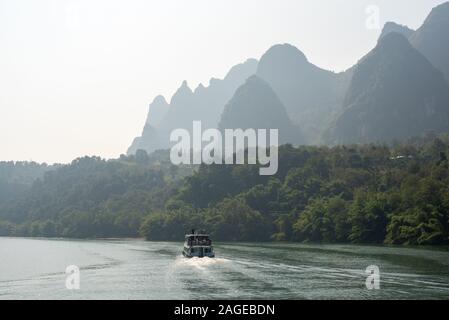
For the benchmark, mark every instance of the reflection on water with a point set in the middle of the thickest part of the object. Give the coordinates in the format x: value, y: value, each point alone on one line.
x: 135, y: 269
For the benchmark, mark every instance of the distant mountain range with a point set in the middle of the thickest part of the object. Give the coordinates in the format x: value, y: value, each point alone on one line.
x: 205, y: 104
x: 398, y: 90
x: 395, y: 93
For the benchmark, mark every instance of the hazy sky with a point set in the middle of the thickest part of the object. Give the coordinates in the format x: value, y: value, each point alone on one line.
x: 76, y: 76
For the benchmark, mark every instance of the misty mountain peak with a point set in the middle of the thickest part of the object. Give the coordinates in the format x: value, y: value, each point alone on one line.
x: 281, y: 55
x: 394, y: 39
x: 158, y: 110
x: 160, y: 99
x: 251, y: 62
x: 390, y: 27
x: 255, y: 105
x: 308, y: 92
x: 393, y: 43
x: 184, y: 92
x: 185, y: 84
x: 199, y: 89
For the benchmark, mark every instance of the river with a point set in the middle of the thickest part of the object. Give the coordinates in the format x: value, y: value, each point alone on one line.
x: 136, y: 269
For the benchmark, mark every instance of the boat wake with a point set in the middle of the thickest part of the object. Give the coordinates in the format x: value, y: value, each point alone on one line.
x: 200, y: 263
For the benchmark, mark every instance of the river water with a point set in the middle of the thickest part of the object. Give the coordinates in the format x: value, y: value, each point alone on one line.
x: 136, y: 269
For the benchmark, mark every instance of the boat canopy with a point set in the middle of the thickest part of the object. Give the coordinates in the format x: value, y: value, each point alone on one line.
x: 198, y: 239
x: 197, y: 235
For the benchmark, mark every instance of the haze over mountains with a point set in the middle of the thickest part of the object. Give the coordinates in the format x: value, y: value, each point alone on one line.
x: 257, y: 97
x: 395, y: 93
x: 398, y: 90
x: 205, y: 104
x: 309, y: 93
x: 431, y: 39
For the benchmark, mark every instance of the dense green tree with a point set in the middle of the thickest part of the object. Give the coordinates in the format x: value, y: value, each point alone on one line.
x: 368, y: 218
x: 234, y: 220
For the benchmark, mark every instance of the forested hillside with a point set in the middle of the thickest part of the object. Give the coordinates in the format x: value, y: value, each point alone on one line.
x: 93, y: 197
x: 358, y: 194
x: 16, y: 177
x: 396, y: 194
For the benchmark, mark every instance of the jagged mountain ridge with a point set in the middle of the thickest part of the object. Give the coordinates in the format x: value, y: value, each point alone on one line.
x: 316, y: 99
x: 205, y: 104
x: 395, y: 93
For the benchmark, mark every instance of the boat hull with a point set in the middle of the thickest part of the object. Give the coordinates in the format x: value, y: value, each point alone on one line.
x: 198, y: 252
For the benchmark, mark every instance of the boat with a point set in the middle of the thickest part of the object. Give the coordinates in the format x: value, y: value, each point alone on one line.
x: 198, y: 244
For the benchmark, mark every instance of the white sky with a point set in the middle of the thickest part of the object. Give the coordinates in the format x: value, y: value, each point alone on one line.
x: 76, y: 76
